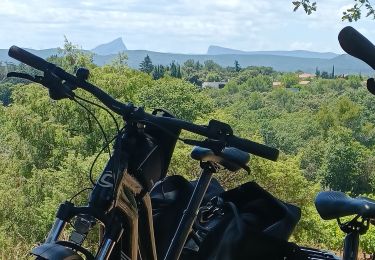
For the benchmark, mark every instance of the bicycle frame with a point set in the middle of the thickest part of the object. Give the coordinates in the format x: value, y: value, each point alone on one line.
x: 115, y: 201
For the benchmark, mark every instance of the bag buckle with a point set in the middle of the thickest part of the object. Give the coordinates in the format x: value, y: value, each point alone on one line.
x: 213, y: 208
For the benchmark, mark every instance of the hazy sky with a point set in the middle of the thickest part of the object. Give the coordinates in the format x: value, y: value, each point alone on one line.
x: 182, y: 26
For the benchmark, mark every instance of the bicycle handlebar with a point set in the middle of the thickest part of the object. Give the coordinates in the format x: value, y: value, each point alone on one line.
x: 29, y: 58
x: 357, y: 45
x: 128, y: 111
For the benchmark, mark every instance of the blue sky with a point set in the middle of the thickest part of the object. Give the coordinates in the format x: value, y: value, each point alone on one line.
x: 180, y: 26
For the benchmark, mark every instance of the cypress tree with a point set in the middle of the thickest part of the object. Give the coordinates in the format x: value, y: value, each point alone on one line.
x: 146, y: 65
x: 173, y: 70
x: 237, y: 66
x: 179, y: 72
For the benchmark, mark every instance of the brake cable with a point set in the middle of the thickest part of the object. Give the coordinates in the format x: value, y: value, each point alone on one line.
x: 99, y: 124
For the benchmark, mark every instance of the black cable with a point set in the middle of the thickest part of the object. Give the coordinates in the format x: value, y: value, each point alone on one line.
x: 102, y: 107
x: 117, y: 163
x: 163, y: 129
x: 106, y: 145
x: 100, y: 126
x: 96, y: 158
x: 78, y: 193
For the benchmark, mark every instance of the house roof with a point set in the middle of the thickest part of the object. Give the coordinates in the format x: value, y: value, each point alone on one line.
x: 304, y: 82
x: 213, y: 84
x: 306, y: 75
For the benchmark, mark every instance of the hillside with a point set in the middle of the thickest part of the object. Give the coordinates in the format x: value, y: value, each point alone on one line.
x: 217, y: 50
x: 285, y: 61
x: 344, y: 64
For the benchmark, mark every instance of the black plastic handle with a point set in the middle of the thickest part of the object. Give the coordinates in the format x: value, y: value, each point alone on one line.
x: 232, y: 140
x: 29, y: 58
x: 357, y: 45
x: 257, y: 149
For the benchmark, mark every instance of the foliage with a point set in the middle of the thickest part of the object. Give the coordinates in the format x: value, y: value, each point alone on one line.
x: 289, y: 80
x: 182, y: 99
x: 158, y: 72
x: 5, y: 93
x: 353, y: 13
x: 325, y: 131
x: 146, y: 65
x: 120, y: 60
x: 175, y: 70
x: 71, y: 57
x: 307, y: 6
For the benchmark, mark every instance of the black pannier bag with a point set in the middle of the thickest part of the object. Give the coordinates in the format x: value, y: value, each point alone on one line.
x: 243, y: 223
x: 151, y: 159
x: 169, y: 199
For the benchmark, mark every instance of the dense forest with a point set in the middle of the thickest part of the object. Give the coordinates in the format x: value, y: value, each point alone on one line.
x: 325, y: 129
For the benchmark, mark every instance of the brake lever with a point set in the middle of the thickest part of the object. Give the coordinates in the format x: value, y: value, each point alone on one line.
x: 36, y: 79
x: 56, y: 88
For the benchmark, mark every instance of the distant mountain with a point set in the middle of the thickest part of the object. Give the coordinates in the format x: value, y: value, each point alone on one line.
x: 280, y: 60
x: 344, y: 64
x: 217, y: 50
x: 112, y: 47
x: 41, y: 53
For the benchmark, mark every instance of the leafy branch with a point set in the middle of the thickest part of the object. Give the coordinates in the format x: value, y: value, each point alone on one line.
x: 307, y: 6
x: 351, y: 14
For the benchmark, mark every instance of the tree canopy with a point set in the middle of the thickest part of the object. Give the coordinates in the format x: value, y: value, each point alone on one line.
x: 325, y: 131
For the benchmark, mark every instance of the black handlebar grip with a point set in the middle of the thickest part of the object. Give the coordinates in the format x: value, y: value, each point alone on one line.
x: 254, y: 148
x: 357, y: 45
x: 29, y: 58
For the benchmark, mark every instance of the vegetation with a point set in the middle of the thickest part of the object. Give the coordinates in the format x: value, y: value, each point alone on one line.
x: 325, y: 130
x: 353, y: 13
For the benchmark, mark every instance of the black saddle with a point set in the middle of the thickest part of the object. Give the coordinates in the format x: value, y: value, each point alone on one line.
x: 230, y: 158
x: 335, y: 204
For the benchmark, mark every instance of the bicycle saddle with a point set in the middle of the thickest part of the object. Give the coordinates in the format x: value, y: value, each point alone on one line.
x: 230, y: 158
x: 335, y: 204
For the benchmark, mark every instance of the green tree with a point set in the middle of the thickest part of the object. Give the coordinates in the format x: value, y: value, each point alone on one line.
x: 259, y: 83
x: 237, y: 66
x: 325, y: 75
x: 173, y: 69
x: 179, y: 75
x: 289, y: 80
x: 212, y: 77
x: 158, y: 72
x: 146, y: 65
x: 210, y: 65
x: 344, y: 164
x: 120, y: 60
x: 71, y: 57
x: 182, y: 99
x: 5, y: 93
